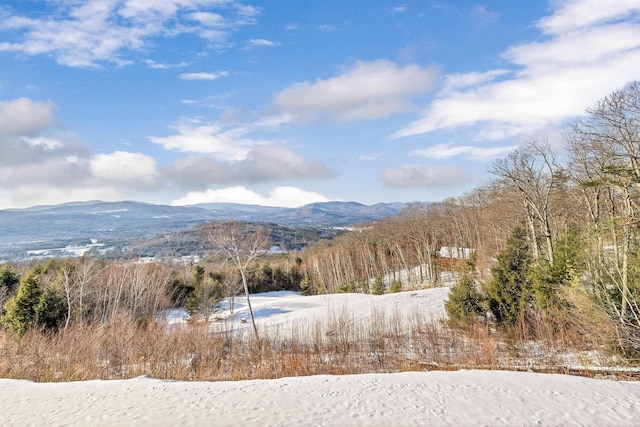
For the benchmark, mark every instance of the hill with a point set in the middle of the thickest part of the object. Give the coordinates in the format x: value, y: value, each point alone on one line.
x: 73, y: 228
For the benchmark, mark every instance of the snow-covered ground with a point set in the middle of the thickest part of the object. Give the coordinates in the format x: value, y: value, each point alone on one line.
x: 462, y: 398
x: 410, y: 398
x: 280, y: 312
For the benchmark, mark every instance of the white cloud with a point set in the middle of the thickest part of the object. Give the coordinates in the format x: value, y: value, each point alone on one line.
x: 46, y: 194
x: 255, y: 43
x: 465, y: 80
x: 366, y: 90
x: 199, y: 172
x: 326, y: 28
x: 42, y: 141
x: 136, y: 169
x: 34, y: 150
x: 24, y: 116
x: 264, y: 163
x: 291, y: 197
x: 92, y: 32
x: 196, y: 137
x: 577, y: 14
x: 422, y: 176
x: 446, y: 151
x: 161, y: 66
x: 203, y: 76
x: 209, y: 19
x: 53, y: 172
x: 57, y: 177
x: 589, y: 51
x: 227, y: 143
x: 269, y: 162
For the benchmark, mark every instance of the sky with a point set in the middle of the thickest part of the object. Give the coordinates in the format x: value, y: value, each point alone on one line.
x: 285, y: 103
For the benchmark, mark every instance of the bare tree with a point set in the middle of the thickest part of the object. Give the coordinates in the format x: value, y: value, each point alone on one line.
x: 240, y: 244
x: 607, y: 144
x: 533, y: 173
x: 231, y: 286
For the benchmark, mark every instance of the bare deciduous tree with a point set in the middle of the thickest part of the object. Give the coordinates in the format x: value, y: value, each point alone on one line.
x: 231, y: 286
x: 608, y: 140
x: 533, y: 173
x: 240, y: 244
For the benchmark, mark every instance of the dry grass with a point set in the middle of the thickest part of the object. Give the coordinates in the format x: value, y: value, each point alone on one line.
x: 338, y: 344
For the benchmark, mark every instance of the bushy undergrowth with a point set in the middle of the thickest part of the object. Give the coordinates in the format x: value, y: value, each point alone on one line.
x: 339, y: 344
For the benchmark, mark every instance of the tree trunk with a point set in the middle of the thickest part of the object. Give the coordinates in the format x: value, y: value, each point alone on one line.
x: 246, y: 293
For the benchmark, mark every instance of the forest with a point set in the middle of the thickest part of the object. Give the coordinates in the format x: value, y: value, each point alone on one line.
x: 548, y: 250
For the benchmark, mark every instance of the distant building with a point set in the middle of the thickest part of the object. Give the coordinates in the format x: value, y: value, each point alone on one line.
x: 450, y: 257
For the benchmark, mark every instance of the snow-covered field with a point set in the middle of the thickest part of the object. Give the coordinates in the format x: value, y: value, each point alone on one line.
x: 410, y: 398
x: 280, y: 312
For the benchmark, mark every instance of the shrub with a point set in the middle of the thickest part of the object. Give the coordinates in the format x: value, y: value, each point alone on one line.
x: 305, y: 284
x: 377, y: 288
x: 396, y: 286
x: 465, y: 304
x: 347, y: 288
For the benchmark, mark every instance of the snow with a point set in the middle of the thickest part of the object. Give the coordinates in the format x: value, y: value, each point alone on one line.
x: 410, y: 398
x: 467, y: 397
x: 279, y: 312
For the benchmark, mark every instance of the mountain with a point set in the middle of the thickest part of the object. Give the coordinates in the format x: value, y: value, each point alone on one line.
x: 43, y: 229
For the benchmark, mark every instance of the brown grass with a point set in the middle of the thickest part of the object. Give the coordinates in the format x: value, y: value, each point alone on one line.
x: 338, y: 344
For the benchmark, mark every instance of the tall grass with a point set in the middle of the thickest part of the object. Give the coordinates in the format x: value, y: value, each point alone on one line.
x: 339, y: 343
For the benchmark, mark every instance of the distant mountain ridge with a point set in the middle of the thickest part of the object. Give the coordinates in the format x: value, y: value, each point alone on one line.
x: 128, y: 221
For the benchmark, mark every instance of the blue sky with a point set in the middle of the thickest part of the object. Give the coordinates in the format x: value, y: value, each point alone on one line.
x: 285, y: 103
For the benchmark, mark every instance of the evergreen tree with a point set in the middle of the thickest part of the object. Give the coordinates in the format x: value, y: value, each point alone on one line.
x: 9, y: 281
x: 51, y: 311
x: 206, y: 295
x: 377, y: 288
x: 179, y: 291
x: 510, y: 287
x: 465, y: 303
x: 396, y: 286
x: 22, y: 310
x: 305, y: 284
x: 548, y: 279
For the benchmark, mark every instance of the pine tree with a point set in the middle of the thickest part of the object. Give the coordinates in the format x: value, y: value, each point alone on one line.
x: 9, y: 281
x: 22, y: 310
x: 465, y: 303
x: 396, y: 286
x: 305, y: 284
x: 377, y: 288
x: 549, y: 279
x: 510, y: 287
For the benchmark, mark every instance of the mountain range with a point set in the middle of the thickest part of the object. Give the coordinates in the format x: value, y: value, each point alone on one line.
x: 39, y: 229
